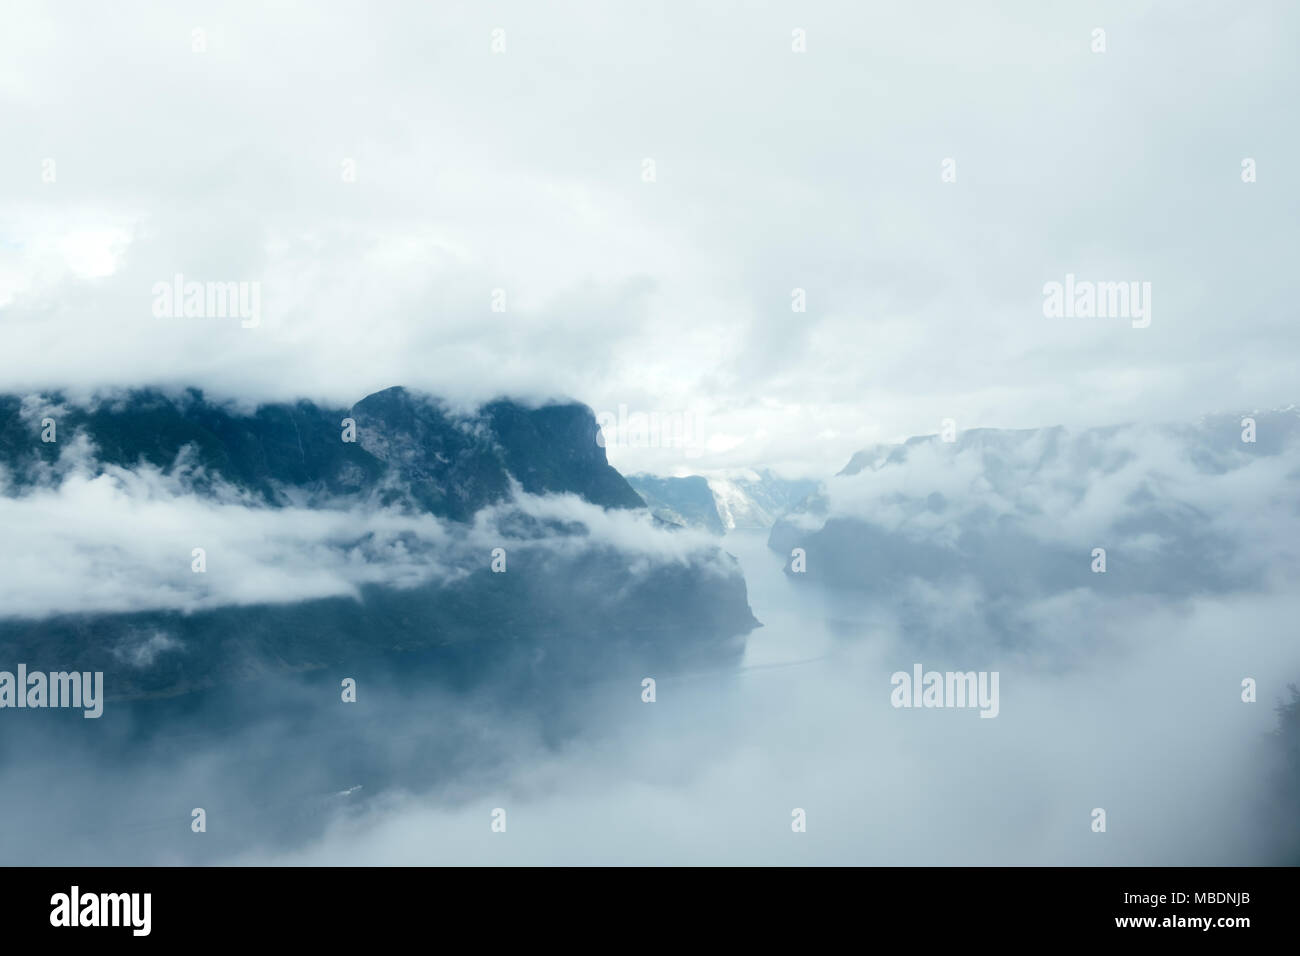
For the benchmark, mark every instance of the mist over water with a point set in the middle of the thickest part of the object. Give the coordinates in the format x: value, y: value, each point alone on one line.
x: 1145, y: 721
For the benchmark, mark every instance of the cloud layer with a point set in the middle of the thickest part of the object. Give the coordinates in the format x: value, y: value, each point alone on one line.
x: 522, y: 171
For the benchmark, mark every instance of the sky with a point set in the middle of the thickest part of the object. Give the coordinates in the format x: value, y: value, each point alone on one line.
x: 380, y: 172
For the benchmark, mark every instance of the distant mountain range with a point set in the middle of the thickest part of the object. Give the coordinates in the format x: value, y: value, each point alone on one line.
x: 748, y: 500
x: 1177, y: 509
x: 427, y: 500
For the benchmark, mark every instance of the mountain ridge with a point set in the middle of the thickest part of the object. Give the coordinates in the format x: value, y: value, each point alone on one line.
x: 408, y: 450
x: 539, y: 561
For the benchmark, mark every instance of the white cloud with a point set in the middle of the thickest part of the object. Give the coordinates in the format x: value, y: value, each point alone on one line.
x: 119, y: 539
x: 522, y: 172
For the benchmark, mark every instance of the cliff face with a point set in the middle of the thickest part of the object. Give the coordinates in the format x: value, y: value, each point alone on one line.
x: 684, y: 502
x: 409, y: 450
x: 457, y: 561
x: 746, y: 501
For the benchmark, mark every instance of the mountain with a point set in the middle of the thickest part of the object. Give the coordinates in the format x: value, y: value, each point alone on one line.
x: 496, y: 546
x: 683, y: 502
x: 409, y: 449
x: 1178, y: 510
x: 758, y: 499
x: 722, y: 503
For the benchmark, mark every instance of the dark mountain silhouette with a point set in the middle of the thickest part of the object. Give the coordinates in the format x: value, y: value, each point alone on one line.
x: 581, y: 611
x: 409, y: 448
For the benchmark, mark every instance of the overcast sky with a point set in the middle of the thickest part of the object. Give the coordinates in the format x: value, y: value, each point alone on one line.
x: 774, y: 170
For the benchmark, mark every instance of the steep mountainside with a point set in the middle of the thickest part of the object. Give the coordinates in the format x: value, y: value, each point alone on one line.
x: 433, y: 535
x: 722, y: 503
x: 408, y: 448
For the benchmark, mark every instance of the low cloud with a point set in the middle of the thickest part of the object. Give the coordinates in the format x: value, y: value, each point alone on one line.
x: 102, y: 538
